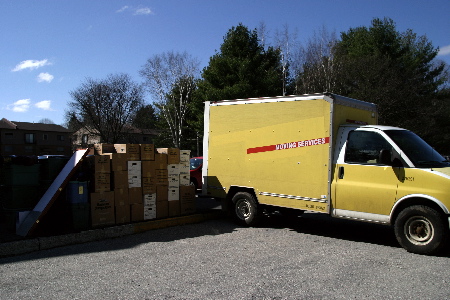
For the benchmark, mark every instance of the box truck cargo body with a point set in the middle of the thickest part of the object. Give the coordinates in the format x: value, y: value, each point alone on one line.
x: 325, y: 153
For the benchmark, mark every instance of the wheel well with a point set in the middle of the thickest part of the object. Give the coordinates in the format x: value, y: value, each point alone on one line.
x: 415, y: 201
x: 236, y: 189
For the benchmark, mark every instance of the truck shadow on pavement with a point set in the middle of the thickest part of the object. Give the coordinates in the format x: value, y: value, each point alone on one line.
x: 325, y: 226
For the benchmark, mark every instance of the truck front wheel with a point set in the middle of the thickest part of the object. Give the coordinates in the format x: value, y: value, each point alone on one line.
x: 421, y: 229
x: 246, y: 210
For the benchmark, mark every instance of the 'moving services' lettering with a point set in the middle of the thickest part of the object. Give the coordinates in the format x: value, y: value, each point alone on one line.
x: 291, y: 145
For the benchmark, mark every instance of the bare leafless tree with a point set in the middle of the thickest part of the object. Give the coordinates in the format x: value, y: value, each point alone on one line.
x: 285, y: 41
x: 104, y: 107
x: 315, y: 67
x: 170, y: 78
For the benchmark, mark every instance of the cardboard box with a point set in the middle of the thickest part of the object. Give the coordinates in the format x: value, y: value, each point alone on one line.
x: 150, y: 200
x: 185, y: 179
x: 101, y: 149
x: 120, y: 180
x: 148, y: 185
x: 162, y: 193
x: 149, y: 213
x: 173, y: 154
x: 119, y: 162
x: 184, y: 169
x: 161, y: 160
x: 174, y: 208
x: 102, y: 164
x: 134, y: 181
x: 133, y: 150
x: 147, y: 152
x: 162, y: 176
x: 137, y: 212
x: 135, y: 168
x: 101, y: 182
x: 174, y: 181
x: 185, y: 156
x: 148, y: 168
x: 135, y: 195
x: 162, y: 209
x: 102, y: 209
x: 123, y: 214
x: 173, y: 169
x: 173, y: 194
x: 121, y: 197
x: 187, y: 200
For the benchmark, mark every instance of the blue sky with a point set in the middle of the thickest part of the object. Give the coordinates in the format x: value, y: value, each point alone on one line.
x: 49, y: 47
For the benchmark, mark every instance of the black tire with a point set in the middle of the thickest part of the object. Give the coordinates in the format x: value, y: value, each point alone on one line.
x: 421, y: 229
x: 246, y: 210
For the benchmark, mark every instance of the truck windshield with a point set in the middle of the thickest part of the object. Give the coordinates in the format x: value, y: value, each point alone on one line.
x: 419, y: 152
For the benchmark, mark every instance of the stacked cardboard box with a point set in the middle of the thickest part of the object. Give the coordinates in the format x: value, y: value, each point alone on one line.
x: 145, y: 183
x: 102, y: 199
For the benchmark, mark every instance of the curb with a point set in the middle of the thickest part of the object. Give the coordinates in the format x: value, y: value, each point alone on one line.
x: 42, y: 243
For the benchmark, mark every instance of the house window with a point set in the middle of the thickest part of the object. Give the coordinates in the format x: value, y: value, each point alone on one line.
x: 29, y: 138
x: 84, y: 139
x: 9, y: 135
x: 45, y: 137
x: 28, y: 149
x: 60, y: 137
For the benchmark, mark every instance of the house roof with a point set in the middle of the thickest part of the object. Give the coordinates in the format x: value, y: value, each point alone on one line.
x: 6, y: 124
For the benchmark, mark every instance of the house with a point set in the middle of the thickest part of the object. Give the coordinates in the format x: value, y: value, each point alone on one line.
x: 84, y: 138
x: 23, y: 138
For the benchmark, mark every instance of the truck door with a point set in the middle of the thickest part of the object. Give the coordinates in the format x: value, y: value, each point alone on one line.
x: 364, y: 184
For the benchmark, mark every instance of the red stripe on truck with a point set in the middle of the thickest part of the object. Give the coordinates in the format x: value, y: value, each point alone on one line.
x: 285, y: 146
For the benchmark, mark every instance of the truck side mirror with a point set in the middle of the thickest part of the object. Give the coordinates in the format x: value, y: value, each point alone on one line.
x: 385, y: 157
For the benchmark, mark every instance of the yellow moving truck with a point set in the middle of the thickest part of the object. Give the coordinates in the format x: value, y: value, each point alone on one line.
x: 325, y: 153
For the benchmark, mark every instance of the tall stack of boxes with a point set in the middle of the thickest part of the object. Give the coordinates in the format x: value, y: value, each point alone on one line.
x: 102, y: 199
x: 141, y: 183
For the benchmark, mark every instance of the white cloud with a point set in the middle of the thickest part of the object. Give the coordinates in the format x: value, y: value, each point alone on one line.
x: 45, y: 77
x: 444, y: 50
x: 143, y: 11
x: 45, y: 105
x: 124, y: 8
x: 136, y: 11
x: 20, y: 105
x: 31, y: 64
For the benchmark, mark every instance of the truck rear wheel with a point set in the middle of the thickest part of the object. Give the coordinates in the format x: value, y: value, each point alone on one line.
x: 421, y: 229
x: 246, y: 210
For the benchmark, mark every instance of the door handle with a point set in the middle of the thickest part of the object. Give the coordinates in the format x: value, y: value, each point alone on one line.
x: 341, y: 173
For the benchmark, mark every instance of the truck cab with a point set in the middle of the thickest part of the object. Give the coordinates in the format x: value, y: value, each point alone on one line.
x: 381, y: 173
